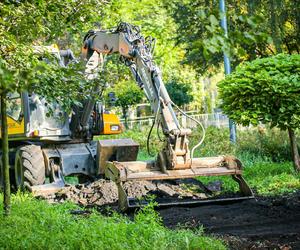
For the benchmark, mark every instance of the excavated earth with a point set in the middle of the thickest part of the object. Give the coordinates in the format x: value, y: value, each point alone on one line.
x: 264, y: 223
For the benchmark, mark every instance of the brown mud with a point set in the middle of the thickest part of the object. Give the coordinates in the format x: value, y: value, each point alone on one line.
x: 264, y: 223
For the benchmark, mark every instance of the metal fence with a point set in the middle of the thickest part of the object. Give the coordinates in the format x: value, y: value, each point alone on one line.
x: 215, y: 119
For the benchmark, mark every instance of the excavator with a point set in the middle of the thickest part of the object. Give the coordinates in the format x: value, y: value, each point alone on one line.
x: 45, y: 150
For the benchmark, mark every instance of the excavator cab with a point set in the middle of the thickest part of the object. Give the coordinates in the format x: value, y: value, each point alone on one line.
x: 27, y: 118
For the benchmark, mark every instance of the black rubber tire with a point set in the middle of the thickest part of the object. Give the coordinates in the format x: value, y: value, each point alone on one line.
x: 29, y: 167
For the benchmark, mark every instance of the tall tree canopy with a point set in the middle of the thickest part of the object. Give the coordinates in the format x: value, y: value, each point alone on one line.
x: 27, y: 23
x: 200, y: 33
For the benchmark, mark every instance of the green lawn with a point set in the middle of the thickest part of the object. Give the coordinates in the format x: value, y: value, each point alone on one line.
x: 35, y: 224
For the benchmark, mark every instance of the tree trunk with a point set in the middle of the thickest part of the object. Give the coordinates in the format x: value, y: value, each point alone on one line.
x: 251, y: 8
x: 294, y: 148
x: 275, y: 29
x: 124, y: 110
x: 5, y: 165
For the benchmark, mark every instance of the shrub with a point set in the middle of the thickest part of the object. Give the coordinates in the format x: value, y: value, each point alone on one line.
x: 265, y: 91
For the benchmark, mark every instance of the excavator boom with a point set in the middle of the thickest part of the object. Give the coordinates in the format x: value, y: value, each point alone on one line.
x: 175, y: 160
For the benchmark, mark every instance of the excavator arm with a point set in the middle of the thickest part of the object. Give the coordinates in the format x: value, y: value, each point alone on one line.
x: 174, y: 161
x: 136, y: 53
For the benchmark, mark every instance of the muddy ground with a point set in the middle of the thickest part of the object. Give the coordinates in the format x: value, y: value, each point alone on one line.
x: 264, y: 223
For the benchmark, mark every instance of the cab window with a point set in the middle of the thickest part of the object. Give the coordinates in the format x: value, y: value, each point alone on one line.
x: 14, y: 106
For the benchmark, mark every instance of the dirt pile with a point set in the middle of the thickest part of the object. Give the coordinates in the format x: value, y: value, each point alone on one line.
x: 98, y: 193
x: 104, y: 192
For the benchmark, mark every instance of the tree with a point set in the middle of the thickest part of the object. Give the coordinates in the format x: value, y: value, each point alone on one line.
x: 33, y: 22
x: 127, y: 94
x: 180, y: 93
x: 200, y: 33
x: 265, y: 91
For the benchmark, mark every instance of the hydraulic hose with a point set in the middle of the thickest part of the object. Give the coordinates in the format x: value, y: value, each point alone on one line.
x: 199, y: 123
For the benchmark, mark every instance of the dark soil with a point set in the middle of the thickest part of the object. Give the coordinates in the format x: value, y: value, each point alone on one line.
x: 268, y: 223
x: 264, y: 223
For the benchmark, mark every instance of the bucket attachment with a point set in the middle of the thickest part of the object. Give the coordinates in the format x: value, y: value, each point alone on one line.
x: 121, y: 172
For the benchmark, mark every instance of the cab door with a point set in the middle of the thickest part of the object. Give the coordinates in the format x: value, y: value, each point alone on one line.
x: 15, y: 115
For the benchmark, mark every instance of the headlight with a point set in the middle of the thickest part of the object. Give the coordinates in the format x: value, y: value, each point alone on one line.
x: 114, y: 127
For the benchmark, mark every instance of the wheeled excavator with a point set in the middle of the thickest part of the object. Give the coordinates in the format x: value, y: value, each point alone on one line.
x: 116, y: 159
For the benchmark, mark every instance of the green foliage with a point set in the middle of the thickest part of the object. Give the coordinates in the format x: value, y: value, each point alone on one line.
x: 35, y: 224
x: 20, y: 30
x: 128, y: 93
x: 265, y: 90
x: 180, y: 93
x: 200, y: 33
x: 51, y: 20
x: 268, y: 144
x: 204, y: 39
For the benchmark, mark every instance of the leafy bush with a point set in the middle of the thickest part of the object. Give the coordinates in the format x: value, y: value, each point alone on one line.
x: 265, y: 91
x: 270, y: 144
x: 180, y: 93
x: 36, y: 224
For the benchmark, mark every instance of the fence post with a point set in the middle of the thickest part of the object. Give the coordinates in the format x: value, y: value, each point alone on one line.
x: 183, y: 121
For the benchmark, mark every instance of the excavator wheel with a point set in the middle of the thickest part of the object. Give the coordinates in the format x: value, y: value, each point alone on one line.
x: 29, y: 167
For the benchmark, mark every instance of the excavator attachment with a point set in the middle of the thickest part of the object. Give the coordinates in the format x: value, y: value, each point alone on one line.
x: 121, y: 172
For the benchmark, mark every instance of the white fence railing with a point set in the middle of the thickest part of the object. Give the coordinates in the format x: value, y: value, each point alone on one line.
x: 215, y: 119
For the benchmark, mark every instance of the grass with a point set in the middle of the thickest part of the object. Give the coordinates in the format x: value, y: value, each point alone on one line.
x: 35, y: 224
x: 266, y: 178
